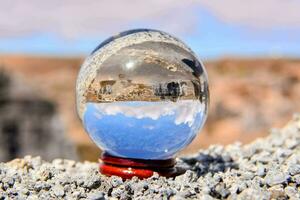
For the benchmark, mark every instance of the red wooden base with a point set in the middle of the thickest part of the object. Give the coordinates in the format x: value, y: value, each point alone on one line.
x: 128, y: 168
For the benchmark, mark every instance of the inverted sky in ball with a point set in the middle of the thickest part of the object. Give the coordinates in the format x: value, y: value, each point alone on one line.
x: 142, y: 94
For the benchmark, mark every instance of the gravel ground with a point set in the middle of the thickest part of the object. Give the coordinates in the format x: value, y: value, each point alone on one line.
x: 265, y: 169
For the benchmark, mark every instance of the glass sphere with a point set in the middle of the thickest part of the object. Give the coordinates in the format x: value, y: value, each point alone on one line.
x: 142, y: 94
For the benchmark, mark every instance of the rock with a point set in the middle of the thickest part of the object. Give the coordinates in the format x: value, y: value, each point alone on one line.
x: 276, y: 177
x: 96, y: 196
x: 296, y: 179
x: 277, y: 192
x: 291, y: 192
x: 116, y: 181
x: 92, y: 180
x: 294, y: 169
x: 58, y: 190
x: 254, y: 194
x: 261, y: 171
x: 291, y: 144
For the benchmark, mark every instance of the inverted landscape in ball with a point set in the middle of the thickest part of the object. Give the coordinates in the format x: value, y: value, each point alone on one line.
x: 142, y: 96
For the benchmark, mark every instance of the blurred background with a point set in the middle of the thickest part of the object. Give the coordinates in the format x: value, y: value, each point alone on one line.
x: 251, y: 50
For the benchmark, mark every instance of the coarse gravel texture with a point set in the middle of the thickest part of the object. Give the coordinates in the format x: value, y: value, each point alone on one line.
x: 268, y: 168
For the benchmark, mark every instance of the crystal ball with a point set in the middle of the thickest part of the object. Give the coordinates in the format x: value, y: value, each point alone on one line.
x: 142, y: 94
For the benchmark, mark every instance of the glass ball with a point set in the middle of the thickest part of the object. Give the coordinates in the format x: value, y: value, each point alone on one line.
x: 142, y: 94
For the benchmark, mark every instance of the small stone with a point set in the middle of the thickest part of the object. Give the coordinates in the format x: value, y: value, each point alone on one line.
x: 177, y: 197
x: 58, y: 190
x: 294, y: 169
x: 291, y: 144
x: 296, y: 179
x: 24, y: 191
x: 290, y: 191
x: 277, y: 192
x: 33, y: 197
x: 222, y: 190
x: 116, y: 181
x: 274, y: 178
x: 248, y: 152
x: 96, y: 196
x: 206, y: 197
x: 254, y: 194
x: 294, y: 159
x: 57, y: 162
x: 92, y: 181
x: 38, y: 186
x: 248, y: 175
x: 261, y: 171
x: 263, y: 157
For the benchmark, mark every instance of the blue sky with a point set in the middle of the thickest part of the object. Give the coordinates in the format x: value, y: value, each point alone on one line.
x: 212, y: 29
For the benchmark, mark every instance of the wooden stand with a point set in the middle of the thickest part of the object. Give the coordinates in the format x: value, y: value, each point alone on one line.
x: 128, y: 168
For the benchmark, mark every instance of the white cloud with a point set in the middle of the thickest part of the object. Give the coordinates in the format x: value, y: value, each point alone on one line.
x: 256, y: 13
x: 77, y: 18
x: 74, y: 18
x: 185, y: 111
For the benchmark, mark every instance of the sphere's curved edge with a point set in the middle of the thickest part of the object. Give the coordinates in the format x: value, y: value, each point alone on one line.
x: 88, y: 70
x: 121, y: 34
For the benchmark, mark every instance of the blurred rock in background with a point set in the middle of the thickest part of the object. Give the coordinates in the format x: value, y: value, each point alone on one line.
x: 29, y: 124
x: 247, y: 97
